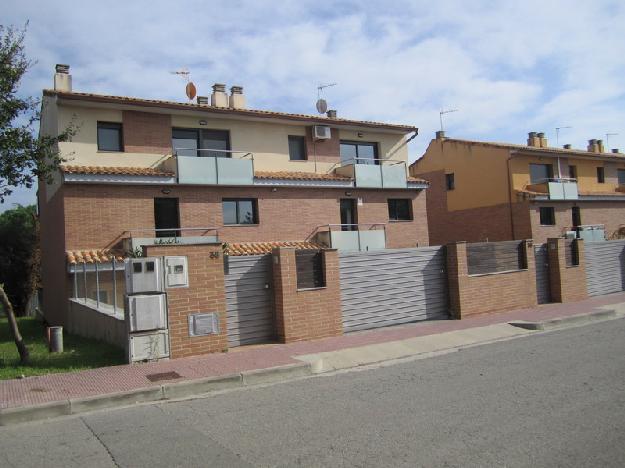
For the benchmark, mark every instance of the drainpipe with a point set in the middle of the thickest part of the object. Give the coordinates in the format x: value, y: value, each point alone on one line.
x: 408, y: 140
x: 511, y: 155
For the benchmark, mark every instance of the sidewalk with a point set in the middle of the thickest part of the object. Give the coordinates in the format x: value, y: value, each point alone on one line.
x: 109, y: 380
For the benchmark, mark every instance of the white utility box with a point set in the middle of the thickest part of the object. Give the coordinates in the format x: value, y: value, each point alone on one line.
x: 144, y: 275
x: 146, y: 312
x: 176, y: 272
x: 148, y: 346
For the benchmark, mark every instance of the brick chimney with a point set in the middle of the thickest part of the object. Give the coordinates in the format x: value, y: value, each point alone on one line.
x: 237, y: 98
x: 542, y: 140
x: 202, y: 100
x: 331, y: 114
x: 593, y: 147
x: 533, y: 140
x: 219, y: 97
x: 62, y: 78
x: 600, y: 146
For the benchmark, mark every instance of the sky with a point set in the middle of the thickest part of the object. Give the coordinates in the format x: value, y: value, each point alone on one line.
x: 508, y: 67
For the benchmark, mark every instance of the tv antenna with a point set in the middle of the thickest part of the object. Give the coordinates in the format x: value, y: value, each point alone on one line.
x: 322, y: 105
x: 442, y: 112
x: 190, y: 89
x: 607, y: 139
x: 558, y: 134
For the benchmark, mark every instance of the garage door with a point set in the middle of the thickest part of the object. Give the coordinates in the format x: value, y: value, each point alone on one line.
x: 605, y: 267
x: 389, y: 287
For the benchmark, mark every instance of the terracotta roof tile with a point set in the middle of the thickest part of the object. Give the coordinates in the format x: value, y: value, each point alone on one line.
x: 259, y: 248
x: 417, y: 179
x: 92, y: 256
x: 225, y: 110
x: 299, y: 176
x: 104, y: 170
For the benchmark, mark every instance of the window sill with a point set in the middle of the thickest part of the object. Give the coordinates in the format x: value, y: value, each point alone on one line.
x: 547, y: 225
x: 400, y: 220
x: 241, y: 225
x: 311, y: 289
x: 298, y: 160
x: 110, y: 151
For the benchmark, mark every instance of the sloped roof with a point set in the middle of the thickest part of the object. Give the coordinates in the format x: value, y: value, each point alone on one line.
x: 112, y: 170
x: 260, y: 248
x: 93, y: 256
x: 282, y: 175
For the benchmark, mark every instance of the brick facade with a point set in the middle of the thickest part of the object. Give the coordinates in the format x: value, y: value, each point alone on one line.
x: 206, y: 293
x: 494, y: 292
x: 306, y: 314
x: 146, y: 132
x: 323, y: 150
x: 568, y: 283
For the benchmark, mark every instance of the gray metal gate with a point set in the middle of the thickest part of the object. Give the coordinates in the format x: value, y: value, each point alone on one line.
x: 249, y: 299
x: 388, y: 287
x: 543, y: 286
x: 605, y: 267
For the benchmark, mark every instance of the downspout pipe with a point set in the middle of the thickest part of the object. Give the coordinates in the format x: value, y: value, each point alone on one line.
x: 512, y: 227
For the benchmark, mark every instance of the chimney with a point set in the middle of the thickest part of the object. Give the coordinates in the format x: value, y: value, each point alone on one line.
x: 440, y: 135
x: 331, y: 114
x: 533, y: 140
x: 567, y: 146
x: 202, y: 100
x: 237, y: 99
x: 219, y: 98
x: 542, y: 140
x: 600, y: 146
x: 593, y: 147
x: 615, y: 150
x: 62, y: 78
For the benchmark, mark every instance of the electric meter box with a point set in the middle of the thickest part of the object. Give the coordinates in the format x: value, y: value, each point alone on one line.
x: 148, y: 346
x: 144, y: 275
x: 176, y: 272
x: 146, y: 312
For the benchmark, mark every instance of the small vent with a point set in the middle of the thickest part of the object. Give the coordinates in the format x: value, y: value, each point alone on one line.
x: 203, y: 324
x: 62, y: 68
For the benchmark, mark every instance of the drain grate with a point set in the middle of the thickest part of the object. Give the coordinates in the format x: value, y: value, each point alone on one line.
x: 163, y: 376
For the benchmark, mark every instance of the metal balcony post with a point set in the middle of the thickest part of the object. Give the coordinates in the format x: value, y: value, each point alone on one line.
x: 114, y: 285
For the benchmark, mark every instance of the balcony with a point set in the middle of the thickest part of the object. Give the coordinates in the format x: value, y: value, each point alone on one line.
x: 374, y: 173
x: 233, y: 168
x: 556, y: 188
x: 352, y: 237
x: 181, y: 236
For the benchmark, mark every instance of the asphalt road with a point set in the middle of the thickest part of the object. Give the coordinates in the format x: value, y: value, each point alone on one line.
x: 555, y: 399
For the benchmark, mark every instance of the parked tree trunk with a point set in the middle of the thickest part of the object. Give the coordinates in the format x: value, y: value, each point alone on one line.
x: 15, y: 331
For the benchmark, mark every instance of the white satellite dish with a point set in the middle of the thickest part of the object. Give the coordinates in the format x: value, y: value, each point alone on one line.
x: 322, y: 106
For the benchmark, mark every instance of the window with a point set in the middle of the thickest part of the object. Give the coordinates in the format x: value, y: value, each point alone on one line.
x: 547, y: 216
x: 110, y: 136
x: 450, y: 182
x: 359, y: 152
x: 540, y: 173
x: 240, y: 211
x: 187, y: 142
x: 399, y: 209
x: 297, y: 148
x: 573, y: 172
x: 601, y: 175
x: 166, y: 217
x: 309, y: 268
x: 621, y: 176
x: 576, y: 216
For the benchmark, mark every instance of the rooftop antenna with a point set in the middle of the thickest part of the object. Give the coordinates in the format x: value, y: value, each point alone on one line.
x: 607, y: 138
x: 190, y: 89
x: 558, y: 134
x: 442, y: 112
x: 322, y: 105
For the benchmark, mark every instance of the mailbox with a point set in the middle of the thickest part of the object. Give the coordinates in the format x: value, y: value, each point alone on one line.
x: 176, y: 272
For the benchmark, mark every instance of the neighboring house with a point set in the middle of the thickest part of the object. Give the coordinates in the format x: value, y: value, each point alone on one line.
x: 483, y: 191
x: 145, y: 171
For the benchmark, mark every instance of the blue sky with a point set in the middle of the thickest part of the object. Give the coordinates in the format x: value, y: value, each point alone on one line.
x: 509, y: 67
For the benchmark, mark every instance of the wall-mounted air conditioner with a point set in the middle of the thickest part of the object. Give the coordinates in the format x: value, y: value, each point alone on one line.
x: 322, y: 132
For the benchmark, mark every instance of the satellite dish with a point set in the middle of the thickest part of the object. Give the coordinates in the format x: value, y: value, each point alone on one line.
x: 322, y: 106
x: 190, y: 90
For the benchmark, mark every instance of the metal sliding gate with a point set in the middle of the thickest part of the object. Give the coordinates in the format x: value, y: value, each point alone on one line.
x: 543, y: 286
x: 249, y: 299
x: 389, y: 287
x: 605, y: 267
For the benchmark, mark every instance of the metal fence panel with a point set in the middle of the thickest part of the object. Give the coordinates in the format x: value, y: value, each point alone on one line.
x: 543, y: 286
x: 389, y: 287
x: 605, y: 267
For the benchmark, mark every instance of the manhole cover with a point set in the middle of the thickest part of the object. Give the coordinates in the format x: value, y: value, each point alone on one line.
x: 163, y: 376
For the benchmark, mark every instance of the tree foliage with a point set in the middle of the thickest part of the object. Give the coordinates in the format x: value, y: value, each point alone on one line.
x: 24, y: 156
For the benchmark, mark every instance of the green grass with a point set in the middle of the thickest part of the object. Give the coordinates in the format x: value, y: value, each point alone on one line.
x: 79, y: 353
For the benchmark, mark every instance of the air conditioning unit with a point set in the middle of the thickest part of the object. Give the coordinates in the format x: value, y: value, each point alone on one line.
x: 322, y: 132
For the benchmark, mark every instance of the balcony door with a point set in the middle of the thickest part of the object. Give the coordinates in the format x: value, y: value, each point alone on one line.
x: 359, y: 152
x: 166, y: 216
x: 187, y: 142
x: 349, y: 215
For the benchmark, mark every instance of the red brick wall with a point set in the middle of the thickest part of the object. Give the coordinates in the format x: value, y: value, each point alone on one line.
x: 206, y: 293
x: 306, y: 314
x: 323, y: 150
x: 568, y: 284
x: 479, y: 294
x: 98, y: 215
x: 146, y: 132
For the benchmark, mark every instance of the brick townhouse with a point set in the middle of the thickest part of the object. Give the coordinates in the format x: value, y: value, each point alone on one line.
x: 485, y: 191
x: 147, y: 172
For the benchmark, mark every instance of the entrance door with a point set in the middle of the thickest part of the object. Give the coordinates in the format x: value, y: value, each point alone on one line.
x: 349, y: 215
x: 166, y: 216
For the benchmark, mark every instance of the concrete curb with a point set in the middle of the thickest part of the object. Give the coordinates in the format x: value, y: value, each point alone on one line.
x: 566, y: 321
x: 165, y: 392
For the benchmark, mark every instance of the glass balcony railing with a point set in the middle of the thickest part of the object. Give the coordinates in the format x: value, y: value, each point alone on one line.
x: 233, y: 168
x: 556, y: 188
x: 374, y: 173
x: 352, y: 237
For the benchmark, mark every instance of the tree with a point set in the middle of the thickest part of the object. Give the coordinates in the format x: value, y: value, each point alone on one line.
x: 25, y: 157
